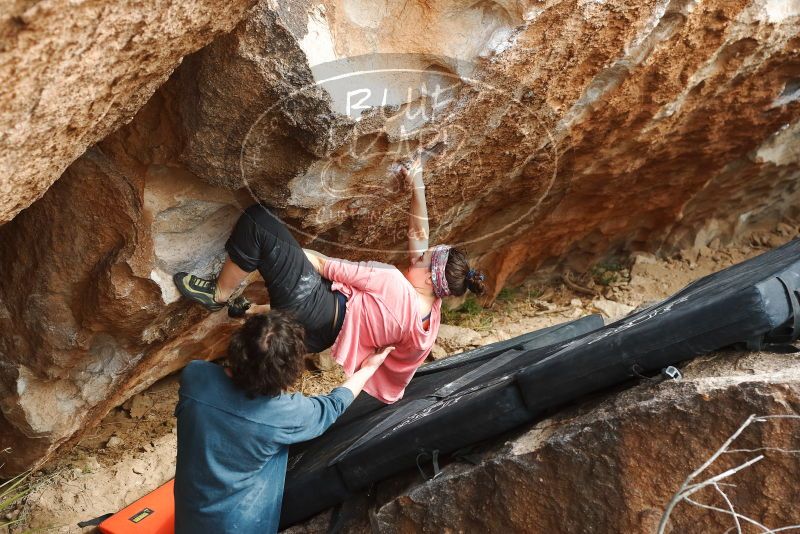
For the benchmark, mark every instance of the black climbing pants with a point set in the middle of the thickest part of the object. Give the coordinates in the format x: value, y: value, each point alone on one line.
x: 260, y: 240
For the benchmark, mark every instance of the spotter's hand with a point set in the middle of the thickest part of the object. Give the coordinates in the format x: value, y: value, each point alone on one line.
x: 376, y: 360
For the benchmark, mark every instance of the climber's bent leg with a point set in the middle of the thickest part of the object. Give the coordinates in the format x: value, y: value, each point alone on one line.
x: 260, y: 240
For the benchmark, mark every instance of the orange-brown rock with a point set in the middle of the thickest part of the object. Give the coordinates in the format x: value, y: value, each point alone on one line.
x: 84, y: 321
x: 574, y: 130
x: 613, y: 465
x: 73, y: 72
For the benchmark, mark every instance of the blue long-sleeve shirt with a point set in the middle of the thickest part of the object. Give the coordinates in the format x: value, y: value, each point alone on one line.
x: 232, y: 450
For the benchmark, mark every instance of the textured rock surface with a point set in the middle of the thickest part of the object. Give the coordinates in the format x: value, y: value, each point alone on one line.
x: 84, y: 320
x: 73, y: 72
x: 613, y: 467
x: 574, y: 129
x: 457, y: 338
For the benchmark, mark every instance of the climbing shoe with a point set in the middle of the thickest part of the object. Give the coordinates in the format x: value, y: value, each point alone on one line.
x: 237, y: 308
x: 198, y: 289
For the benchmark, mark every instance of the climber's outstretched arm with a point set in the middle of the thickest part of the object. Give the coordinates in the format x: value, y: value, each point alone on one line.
x: 418, y: 228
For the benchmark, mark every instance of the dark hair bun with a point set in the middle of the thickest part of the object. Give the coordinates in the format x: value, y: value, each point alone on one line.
x: 475, y: 281
x: 460, y: 277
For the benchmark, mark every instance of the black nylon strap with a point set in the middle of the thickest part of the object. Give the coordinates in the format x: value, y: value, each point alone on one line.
x: 434, y: 461
x: 94, y: 522
x: 476, y: 374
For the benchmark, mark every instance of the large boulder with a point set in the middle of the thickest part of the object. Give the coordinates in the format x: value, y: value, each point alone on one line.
x: 614, y: 464
x: 88, y: 312
x: 73, y: 72
x: 573, y: 129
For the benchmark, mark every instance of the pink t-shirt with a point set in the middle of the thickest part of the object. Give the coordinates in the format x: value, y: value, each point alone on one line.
x: 382, y: 311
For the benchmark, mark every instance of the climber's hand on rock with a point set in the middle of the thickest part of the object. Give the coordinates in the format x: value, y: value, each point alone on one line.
x: 411, y: 172
x: 402, y: 171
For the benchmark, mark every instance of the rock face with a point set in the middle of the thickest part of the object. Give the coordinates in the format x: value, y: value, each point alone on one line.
x: 85, y: 322
x: 602, y: 128
x: 613, y: 467
x: 573, y: 130
x: 76, y: 71
x: 453, y: 338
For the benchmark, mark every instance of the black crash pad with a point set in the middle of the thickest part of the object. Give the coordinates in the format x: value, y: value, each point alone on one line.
x: 490, y: 392
x: 314, y: 465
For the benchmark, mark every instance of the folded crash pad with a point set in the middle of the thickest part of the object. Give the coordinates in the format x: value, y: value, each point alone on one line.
x: 333, y: 467
x: 755, y: 302
x: 752, y: 303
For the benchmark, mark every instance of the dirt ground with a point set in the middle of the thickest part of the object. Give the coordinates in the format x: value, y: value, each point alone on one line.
x: 132, y: 450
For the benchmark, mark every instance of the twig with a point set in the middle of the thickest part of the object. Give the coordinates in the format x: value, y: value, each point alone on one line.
x: 688, y: 488
x: 680, y: 494
x: 722, y: 449
x: 724, y: 511
x: 577, y: 288
x: 694, y: 488
x: 761, y: 449
x: 764, y: 418
x: 730, y: 506
x: 553, y: 311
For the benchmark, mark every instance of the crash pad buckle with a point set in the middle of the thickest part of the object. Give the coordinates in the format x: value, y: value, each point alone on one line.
x: 671, y: 373
x: 434, y: 462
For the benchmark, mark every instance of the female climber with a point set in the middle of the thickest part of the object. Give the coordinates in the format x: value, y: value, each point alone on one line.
x: 355, y: 308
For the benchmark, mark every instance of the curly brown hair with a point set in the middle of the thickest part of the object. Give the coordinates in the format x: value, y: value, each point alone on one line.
x: 266, y: 355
